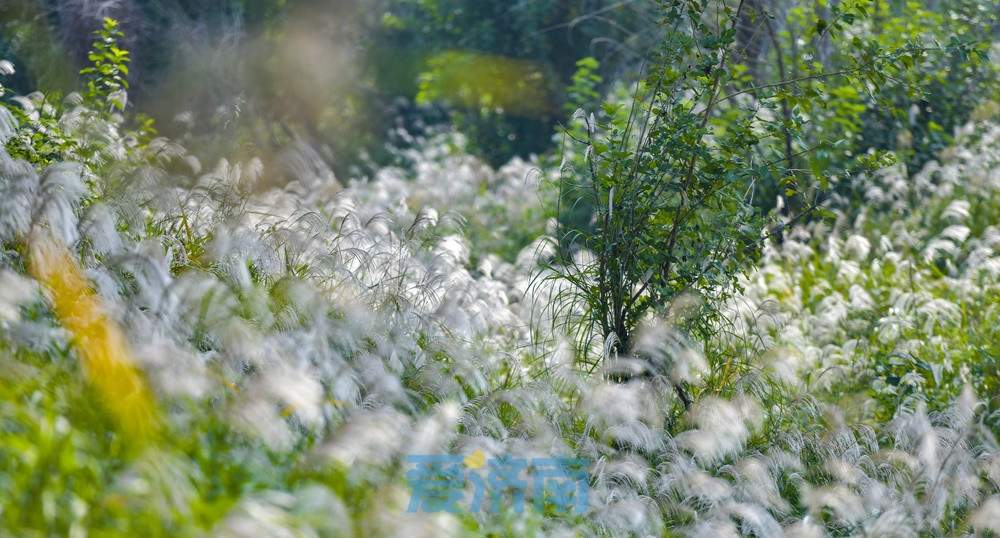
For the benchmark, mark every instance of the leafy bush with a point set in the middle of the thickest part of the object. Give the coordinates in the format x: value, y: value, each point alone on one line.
x: 929, y: 57
x: 107, y: 74
x: 672, y: 179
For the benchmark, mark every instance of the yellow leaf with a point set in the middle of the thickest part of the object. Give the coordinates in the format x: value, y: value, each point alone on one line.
x: 98, y: 340
x: 476, y: 460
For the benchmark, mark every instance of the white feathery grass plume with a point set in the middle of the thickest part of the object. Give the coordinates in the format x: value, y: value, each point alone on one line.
x: 15, y: 290
x: 844, y: 503
x: 987, y: 516
x: 626, y: 412
x: 19, y: 188
x: 721, y: 427
x: 8, y: 123
x: 99, y: 228
x: 175, y: 370
x: 431, y: 435
x: 392, y: 519
x: 757, y: 483
x: 957, y: 211
x: 670, y: 352
x: 369, y: 437
x: 309, y: 511
x: 857, y: 247
x: 805, y: 529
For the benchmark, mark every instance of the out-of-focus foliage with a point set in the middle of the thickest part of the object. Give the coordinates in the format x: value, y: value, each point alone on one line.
x: 909, y: 107
x: 33, y: 45
x: 544, y: 39
x: 107, y: 74
x: 41, y: 120
x: 584, y: 90
x: 918, y: 113
x: 338, y: 75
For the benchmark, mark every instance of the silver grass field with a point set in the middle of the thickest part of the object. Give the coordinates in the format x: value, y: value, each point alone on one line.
x: 194, y: 348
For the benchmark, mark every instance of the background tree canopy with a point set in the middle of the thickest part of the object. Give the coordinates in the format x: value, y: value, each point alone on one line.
x: 366, y: 67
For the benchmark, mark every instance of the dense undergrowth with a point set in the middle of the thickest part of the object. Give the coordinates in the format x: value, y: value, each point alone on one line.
x: 297, y: 342
x: 186, y: 349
